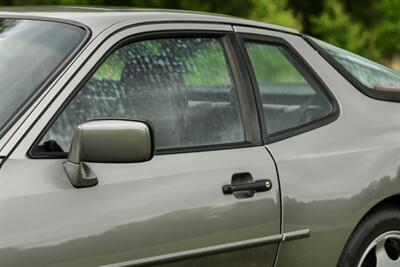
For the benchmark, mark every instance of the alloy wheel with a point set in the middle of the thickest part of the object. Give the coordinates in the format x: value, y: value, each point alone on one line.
x: 384, y: 251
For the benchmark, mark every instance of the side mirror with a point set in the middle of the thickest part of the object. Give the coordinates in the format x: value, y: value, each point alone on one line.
x: 107, y: 141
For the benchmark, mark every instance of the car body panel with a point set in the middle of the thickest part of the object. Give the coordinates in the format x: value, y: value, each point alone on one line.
x: 332, y: 176
x: 169, y: 204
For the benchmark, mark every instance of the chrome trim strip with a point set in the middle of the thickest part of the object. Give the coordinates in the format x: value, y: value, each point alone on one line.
x: 200, y: 252
x: 256, y: 242
x: 296, y: 235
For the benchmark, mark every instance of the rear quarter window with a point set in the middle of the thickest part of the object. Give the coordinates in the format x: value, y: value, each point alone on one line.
x: 371, y: 78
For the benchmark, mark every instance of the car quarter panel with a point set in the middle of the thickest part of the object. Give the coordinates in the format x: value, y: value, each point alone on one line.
x: 331, y: 176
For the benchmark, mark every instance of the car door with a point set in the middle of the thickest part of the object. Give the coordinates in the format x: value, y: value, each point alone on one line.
x: 186, y: 81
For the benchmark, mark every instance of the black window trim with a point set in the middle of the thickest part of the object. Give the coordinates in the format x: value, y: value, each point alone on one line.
x: 252, y: 132
x: 370, y: 92
x: 37, y: 92
x: 302, y: 66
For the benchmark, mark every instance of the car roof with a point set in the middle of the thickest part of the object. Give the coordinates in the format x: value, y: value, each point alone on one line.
x: 99, y: 18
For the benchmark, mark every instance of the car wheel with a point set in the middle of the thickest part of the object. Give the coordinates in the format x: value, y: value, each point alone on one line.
x: 375, y: 242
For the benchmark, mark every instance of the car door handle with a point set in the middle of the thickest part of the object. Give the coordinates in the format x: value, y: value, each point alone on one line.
x: 256, y: 186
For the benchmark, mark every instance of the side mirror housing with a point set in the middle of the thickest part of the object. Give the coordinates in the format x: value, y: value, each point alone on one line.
x: 107, y: 141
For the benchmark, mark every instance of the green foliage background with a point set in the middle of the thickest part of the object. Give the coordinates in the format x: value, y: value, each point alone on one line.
x: 368, y: 27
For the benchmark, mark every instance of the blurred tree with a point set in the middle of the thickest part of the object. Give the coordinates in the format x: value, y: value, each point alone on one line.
x: 305, y: 10
x: 387, y: 27
x: 275, y: 11
x: 336, y: 26
x: 362, y: 10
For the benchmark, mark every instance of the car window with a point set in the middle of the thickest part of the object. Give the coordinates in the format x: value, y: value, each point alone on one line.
x: 371, y: 75
x: 290, y: 97
x: 182, y: 86
x: 30, y: 51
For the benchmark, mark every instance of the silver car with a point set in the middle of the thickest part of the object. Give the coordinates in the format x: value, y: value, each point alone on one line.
x: 166, y: 138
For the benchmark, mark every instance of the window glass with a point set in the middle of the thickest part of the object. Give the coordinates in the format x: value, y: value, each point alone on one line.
x: 290, y: 97
x: 29, y: 52
x: 370, y: 74
x: 182, y: 86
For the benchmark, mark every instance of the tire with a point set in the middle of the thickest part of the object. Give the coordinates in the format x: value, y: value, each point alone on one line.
x: 375, y: 242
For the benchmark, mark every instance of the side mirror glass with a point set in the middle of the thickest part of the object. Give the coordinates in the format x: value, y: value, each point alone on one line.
x: 107, y: 141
